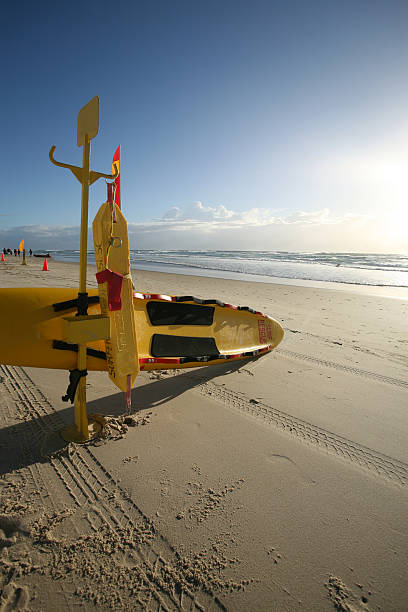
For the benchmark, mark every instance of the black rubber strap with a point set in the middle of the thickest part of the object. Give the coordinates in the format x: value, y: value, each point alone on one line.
x: 207, y: 358
x: 74, y: 378
x: 70, y: 304
x: 82, y: 304
x: 203, y: 359
x: 188, y: 298
x: 191, y: 298
x: 66, y: 346
x: 247, y: 308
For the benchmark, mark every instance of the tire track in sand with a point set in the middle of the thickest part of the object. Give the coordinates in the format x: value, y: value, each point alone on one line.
x: 366, y: 458
x: 349, y: 369
x: 33, y: 482
x: 138, y: 561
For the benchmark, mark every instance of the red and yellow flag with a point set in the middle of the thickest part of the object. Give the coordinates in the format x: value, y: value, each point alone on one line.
x: 21, y: 246
x: 116, y: 164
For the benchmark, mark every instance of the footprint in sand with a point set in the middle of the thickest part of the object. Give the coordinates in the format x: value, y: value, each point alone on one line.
x: 14, y: 597
x: 343, y: 598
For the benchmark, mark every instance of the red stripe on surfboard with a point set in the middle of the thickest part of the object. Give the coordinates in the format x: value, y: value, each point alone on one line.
x: 176, y: 360
x: 156, y: 360
x: 152, y: 296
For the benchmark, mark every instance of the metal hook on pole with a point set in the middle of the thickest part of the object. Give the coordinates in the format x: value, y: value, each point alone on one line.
x: 79, y: 172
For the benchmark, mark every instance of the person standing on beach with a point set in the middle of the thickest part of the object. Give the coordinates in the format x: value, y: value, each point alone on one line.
x: 31, y: 252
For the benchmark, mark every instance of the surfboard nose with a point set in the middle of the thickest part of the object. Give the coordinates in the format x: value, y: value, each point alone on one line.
x: 277, y: 334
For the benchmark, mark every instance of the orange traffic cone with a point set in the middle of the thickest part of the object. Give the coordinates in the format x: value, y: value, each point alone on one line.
x: 45, y: 266
x: 2, y: 257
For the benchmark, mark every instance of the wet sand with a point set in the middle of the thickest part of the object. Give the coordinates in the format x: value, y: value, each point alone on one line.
x: 275, y: 484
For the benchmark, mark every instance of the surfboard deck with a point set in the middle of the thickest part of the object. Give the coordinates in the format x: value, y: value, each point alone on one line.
x: 171, y: 331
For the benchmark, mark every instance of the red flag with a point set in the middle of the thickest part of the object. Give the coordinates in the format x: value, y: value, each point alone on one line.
x: 116, y: 164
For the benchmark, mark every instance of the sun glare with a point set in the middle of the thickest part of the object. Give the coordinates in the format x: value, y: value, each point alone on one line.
x: 396, y: 228
x: 387, y: 188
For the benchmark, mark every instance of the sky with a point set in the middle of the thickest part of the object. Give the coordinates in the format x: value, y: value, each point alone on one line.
x: 243, y: 125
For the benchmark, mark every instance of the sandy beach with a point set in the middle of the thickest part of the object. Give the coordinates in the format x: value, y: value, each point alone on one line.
x: 279, y: 483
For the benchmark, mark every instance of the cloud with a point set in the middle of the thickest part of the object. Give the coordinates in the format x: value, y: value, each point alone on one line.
x: 172, y: 214
x: 198, y: 226
x: 217, y: 227
x: 220, y: 216
x: 47, y: 237
x: 198, y: 212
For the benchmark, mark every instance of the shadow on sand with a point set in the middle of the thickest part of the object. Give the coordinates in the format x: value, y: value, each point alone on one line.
x: 35, y: 439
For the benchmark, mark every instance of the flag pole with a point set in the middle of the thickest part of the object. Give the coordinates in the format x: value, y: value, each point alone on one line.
x: 120, y: 177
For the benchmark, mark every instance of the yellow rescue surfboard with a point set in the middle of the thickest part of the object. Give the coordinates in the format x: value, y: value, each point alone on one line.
x: 171, y: 331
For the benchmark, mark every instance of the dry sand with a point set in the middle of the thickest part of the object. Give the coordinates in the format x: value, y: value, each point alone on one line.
x: 275, y: 484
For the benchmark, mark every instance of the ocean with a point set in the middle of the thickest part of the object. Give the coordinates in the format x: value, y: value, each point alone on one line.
x: 368, y: 269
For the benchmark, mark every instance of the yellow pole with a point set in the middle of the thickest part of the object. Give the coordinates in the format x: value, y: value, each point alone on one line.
x: 84, y: 214
x: 81, y: 418
x: 24, y: 263
x: 87, y: 128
